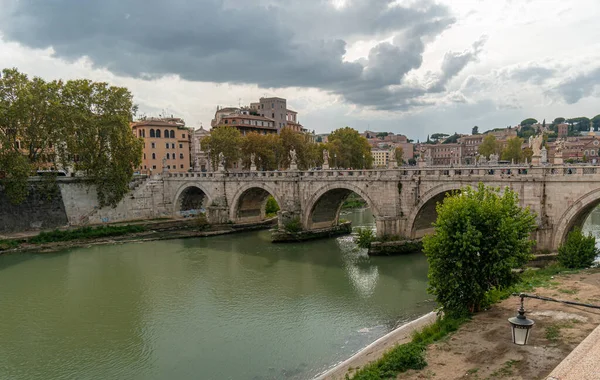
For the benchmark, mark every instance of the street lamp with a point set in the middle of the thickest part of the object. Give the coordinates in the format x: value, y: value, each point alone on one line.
x: 364, y: 162
x: 335, y: 160
x: 520, y: 325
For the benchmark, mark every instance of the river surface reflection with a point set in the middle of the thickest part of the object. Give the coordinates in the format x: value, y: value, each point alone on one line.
x: 227, y: 307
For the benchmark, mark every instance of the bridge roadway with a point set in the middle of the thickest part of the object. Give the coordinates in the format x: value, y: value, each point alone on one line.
x: 403, y: 200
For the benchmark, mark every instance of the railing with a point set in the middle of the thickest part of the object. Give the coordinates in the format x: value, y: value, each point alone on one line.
x: 505, y: 171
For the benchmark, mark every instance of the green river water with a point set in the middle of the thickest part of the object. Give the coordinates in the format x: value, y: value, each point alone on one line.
x: 226, y: 307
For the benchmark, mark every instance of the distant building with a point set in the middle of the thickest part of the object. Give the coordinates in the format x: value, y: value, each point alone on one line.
x: 563, y: 130
x: 243, y: 121
x: 381, y: 157
x: 200, y: 158
x: 445, y: 154
x: 166, y: 144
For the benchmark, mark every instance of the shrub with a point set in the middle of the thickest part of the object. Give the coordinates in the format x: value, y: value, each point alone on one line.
x: 293, y: 226
x: 364, y: 238
x: 201, y: 221
x: 480, y: 236
x: 578, y: 251
x: 271, y: 207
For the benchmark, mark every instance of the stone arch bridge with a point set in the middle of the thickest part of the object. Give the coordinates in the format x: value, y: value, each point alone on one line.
x: 402, y: 200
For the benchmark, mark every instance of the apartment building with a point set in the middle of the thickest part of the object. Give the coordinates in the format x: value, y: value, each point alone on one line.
x: 166, y: 144
x: 200, y: 157
x: 243, y: 121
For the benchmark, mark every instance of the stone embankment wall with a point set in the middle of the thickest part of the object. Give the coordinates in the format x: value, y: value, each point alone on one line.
x: 41, y: 209
x: 73, y: 202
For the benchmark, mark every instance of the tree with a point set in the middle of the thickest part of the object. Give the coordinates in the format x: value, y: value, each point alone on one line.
x: 80, y: 124
x: 480, y: 236
x: 578, y: 251
x: 559, y: 120
x: 526, y: 131
x: 475, y: 130
x: 452, y: 139
x: 399, y: 153
x: 488, y: 146
x: 513, y: 149
x: 580, y: 124
x: 267, y: 150
x: 96, y: 120
x: 596, y: 122
x: 527, y: 154
x: 226, y: 140
x: 437, y: 137
x: 528, y: 122
x: 348, y: 149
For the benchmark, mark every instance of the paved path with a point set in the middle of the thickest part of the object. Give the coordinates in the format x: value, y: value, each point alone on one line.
x: 583, y: 363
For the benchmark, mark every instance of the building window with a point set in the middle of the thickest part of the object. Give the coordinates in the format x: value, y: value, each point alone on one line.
x: 168, y: 166
x: 172, y: 145
x: 144, y: 156
x: 158, y: 133
x: 145, y: 167
x: 143, y: 133
x: 153, y: 145
x: 181, y: 166
x: 183, y: 136
x: 273, y: 115
x: 172, y: 134
x: 181, y: 155
x: 153, y: 166
x: 167, y: 144
x: 154, y: 156
x: 180, y: 146
x: 152, y: 133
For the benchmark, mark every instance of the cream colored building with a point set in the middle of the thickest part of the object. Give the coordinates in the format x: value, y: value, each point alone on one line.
x: 381, y: 157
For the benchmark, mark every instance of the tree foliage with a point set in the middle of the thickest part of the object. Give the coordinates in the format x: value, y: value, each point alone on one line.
x: 452, y: 139
x: 489, y: 146
x: 528, y: 122
x: 79, y: 124
x: 578, y: 251
x: 475, y: 130
x: 348, y: 149
x: 399, y: 152
x: 513, y: 150
x: 480, y: 236
x: 438, y: 137
x: 224, y: 140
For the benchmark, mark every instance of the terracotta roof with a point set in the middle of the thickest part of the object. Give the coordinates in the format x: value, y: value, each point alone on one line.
x: 157, y: 123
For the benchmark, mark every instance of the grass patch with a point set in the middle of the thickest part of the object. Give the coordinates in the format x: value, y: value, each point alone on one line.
x: 8, y: 244
x: 568, y: 291
x: 553, y: 333
x: 409, y: 355
x: 506, y: 370
x: 84, y: 233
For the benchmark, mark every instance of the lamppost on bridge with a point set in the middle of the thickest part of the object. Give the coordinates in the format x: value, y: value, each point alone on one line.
x: 335, y: 160
x: 364, y: 162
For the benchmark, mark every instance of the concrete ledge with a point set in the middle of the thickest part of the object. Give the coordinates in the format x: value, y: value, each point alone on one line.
x: 376, y: 349
x: 582, y: 363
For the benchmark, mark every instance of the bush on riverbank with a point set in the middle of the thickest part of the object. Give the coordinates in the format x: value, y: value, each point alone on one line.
x: 8, y: 244
x: 271, y: 207
x: 84, y: 233
x: 364, y: 238
x: 481, y: 235
x: 578, y: 251
x: 409, y: 355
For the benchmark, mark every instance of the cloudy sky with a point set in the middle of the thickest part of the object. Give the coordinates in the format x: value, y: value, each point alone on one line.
x: 408, y: 66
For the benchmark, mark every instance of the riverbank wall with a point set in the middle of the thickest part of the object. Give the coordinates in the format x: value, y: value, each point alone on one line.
x: 279, y: 236
x: 154, y: 230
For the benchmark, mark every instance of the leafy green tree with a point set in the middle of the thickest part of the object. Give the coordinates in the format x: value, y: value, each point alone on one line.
x: 528, y: 122
x: 14, y: 172
x: 526, y: 131
x: 513, y: 150
x: 96, y: 120
x: 475, y: 130
x: 480, y: 236
x: 267, y: 150
x: 579, y: 124
x: 399, y: 153
x: 348, y: 149
x: 559, y: 120
x: 489, y: 146
x: 578, y: 251
x: 271, y: 206
x: 226, y: 140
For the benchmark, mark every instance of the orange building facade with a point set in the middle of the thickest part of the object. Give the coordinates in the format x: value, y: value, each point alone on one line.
x: 166, y: 145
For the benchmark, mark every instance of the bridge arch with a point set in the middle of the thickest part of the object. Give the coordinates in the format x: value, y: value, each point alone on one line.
x: 575, y: 216
x: 323, y: 208
x: 249, y: 202
x: 190, y: 196
x: 424, y: 213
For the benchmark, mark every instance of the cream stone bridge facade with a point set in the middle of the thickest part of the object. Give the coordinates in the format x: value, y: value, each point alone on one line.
x: 402, y: 200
